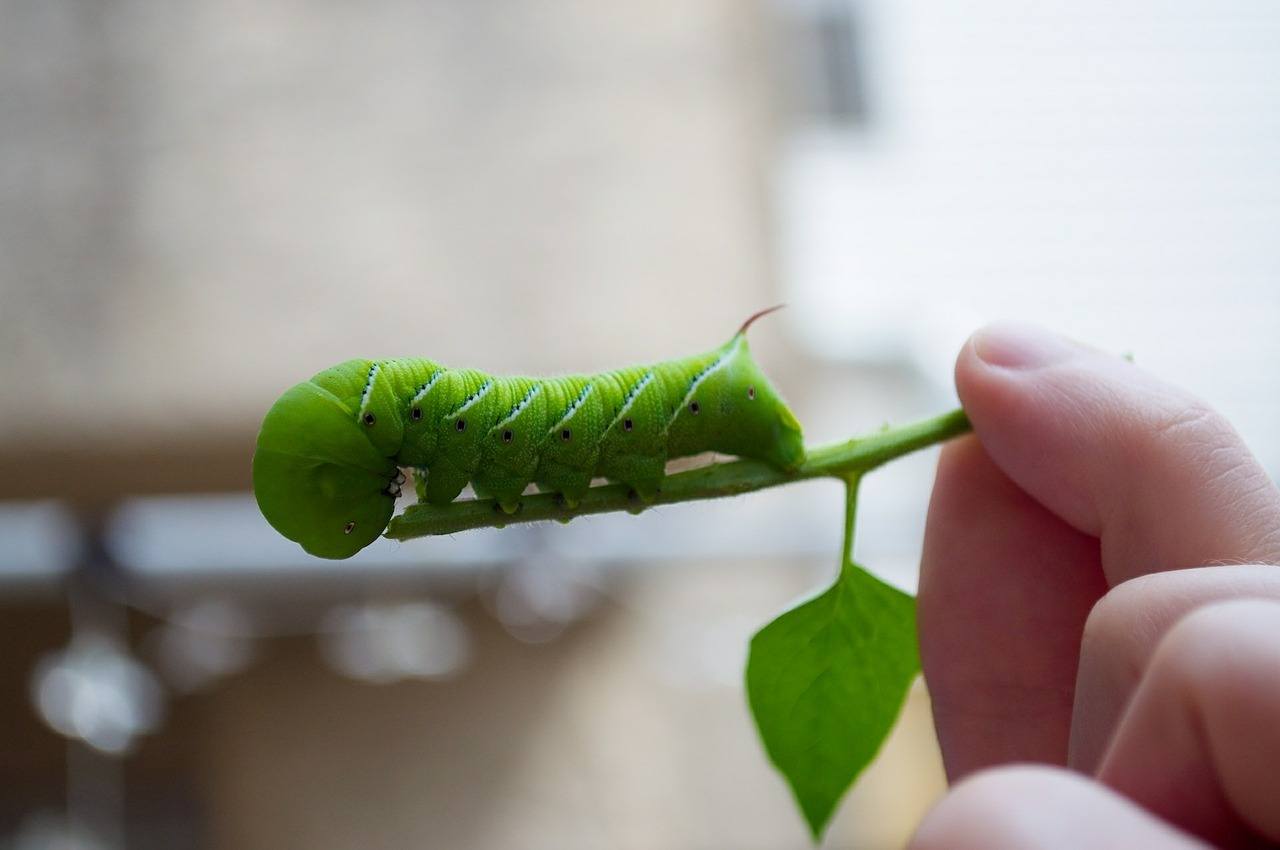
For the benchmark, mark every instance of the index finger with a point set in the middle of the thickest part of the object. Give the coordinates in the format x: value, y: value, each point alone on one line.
x: 1157, y: 475
x: 1088, y: 472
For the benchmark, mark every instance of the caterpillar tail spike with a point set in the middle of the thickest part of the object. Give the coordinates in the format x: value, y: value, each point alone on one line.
x: 327, y: 468
x: 759, y: 314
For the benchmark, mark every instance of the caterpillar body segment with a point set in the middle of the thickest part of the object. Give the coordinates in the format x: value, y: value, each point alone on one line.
x: 327, y: 466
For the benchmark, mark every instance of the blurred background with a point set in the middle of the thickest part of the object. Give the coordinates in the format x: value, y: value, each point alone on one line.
x: 203, y: 203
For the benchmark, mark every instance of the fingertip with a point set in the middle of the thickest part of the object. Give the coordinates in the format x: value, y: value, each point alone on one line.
x: 979, y: 810
x: 995, y: 372
x: 1022, y: 346
x: 1034, y: 806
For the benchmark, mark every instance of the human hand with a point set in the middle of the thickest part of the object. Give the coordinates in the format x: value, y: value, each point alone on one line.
x: 1069, y: 541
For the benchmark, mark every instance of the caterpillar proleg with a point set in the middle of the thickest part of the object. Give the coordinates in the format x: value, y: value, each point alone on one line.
x: 327, y: 468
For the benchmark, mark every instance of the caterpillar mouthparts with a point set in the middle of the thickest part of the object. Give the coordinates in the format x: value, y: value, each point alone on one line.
x: 393, y: 488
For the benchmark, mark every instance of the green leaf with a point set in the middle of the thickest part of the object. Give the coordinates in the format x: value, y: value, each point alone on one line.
x: 826, y: 681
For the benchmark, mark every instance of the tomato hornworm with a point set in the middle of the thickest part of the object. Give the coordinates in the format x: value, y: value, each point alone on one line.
x: 327, y: 468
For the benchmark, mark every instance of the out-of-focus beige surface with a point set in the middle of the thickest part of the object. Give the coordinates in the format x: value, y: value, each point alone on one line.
x: 207, y: 202
x: 631, y: 732
x: 202, y: 203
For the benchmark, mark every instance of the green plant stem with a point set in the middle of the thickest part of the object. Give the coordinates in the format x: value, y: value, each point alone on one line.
x: 847, y: 461
x: 851, y: 483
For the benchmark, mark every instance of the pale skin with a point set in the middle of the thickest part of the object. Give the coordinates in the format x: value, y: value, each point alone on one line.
x: 1099, y: 611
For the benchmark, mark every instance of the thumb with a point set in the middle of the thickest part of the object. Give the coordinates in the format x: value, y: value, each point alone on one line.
x: 1158, y: 476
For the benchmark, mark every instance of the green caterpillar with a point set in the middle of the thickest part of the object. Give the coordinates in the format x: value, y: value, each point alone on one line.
x: 327, y: 469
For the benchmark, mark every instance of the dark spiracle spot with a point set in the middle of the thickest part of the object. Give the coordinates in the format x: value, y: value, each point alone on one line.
x: 349, y: 527
x: 694, y: 407
x: 627, y: 424
x: 416, y: 414
x: 369, y: 419
x: 462, y: 425
x: 566, y: 434
x: 507, y: 436
x: 751, y: 392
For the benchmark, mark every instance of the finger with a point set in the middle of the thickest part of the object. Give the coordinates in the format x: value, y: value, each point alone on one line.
x: 1005, y: 588
x: 1041, y: 808
x: 1200, y: 743
x: 1159, y: 477
x: 1123, y: 631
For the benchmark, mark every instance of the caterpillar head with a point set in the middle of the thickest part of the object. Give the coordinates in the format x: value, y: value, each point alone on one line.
x: 317, y: 476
